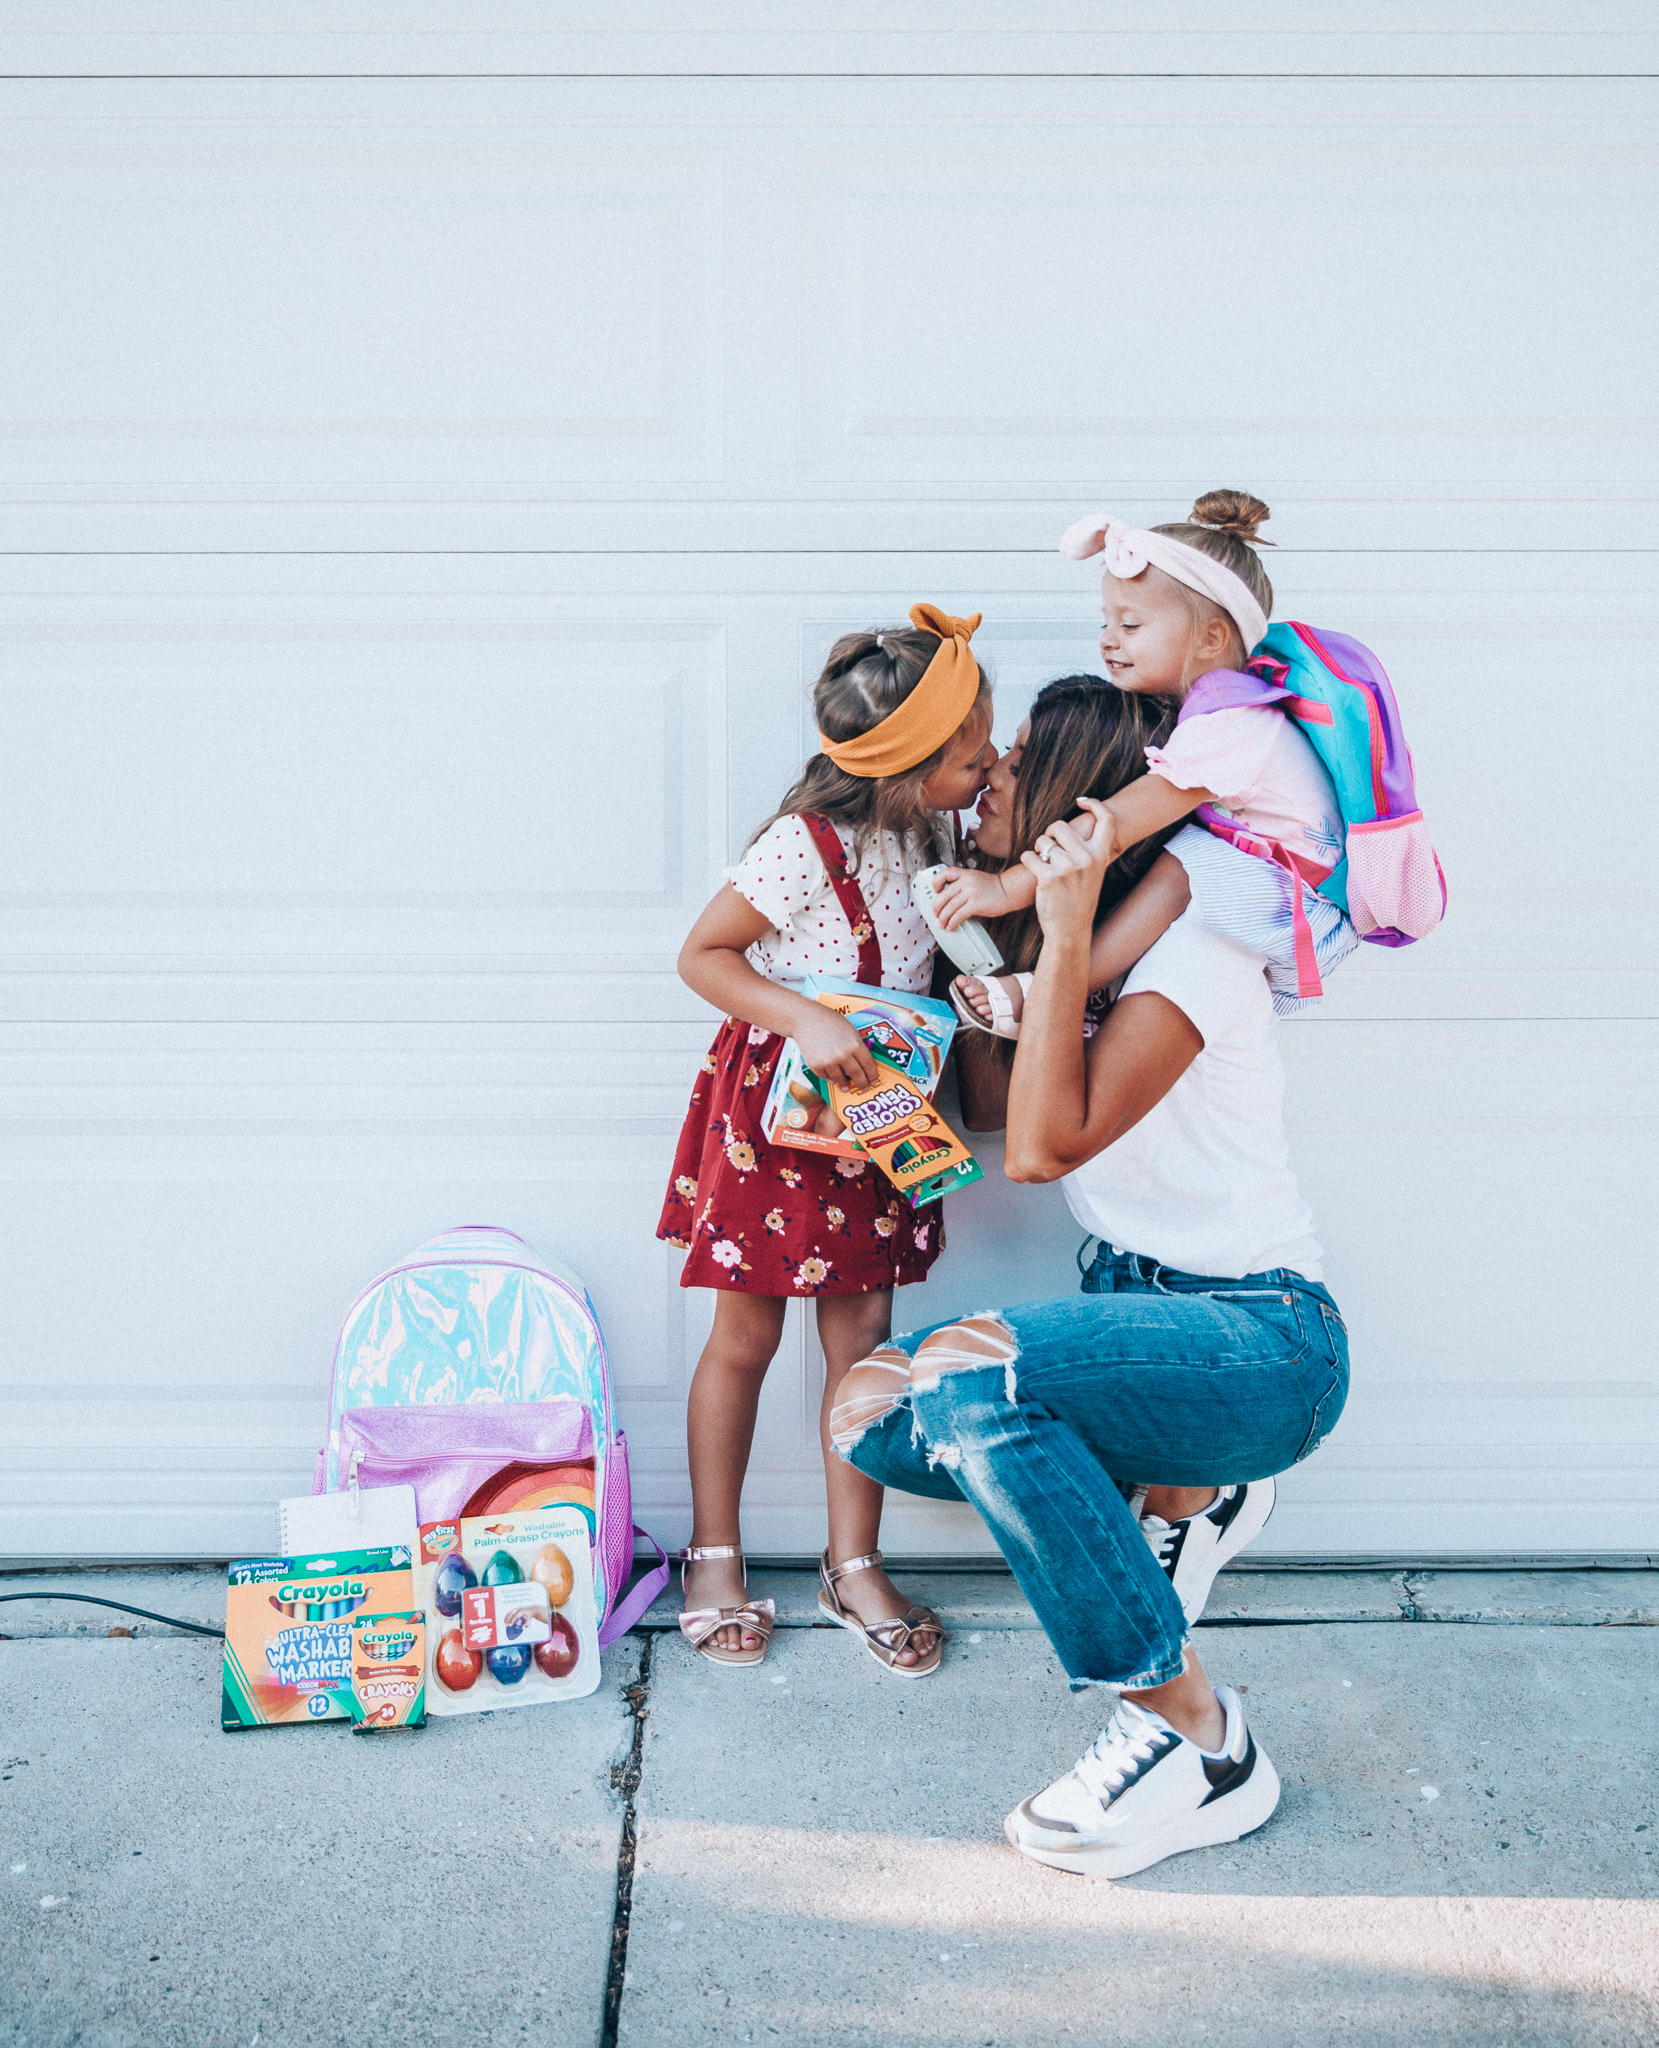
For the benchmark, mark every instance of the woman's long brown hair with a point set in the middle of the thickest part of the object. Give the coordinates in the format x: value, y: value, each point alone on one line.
x: 1087, y: 738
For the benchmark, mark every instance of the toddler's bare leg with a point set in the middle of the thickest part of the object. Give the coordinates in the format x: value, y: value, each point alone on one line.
x: 850, y: 1327
x: 720, y: 1427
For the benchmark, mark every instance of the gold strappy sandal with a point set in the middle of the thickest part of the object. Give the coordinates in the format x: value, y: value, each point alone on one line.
x: 698, y: 1624
x: 883, y: 1639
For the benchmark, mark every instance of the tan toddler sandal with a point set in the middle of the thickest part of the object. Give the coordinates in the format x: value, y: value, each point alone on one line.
x: 699, y: 1624
x: 1003, y: 1024
x: 883, y: 1639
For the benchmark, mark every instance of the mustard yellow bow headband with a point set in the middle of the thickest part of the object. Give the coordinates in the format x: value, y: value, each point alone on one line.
x: 929, y: 715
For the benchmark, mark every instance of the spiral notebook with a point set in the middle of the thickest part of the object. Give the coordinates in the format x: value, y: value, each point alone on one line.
x: 360, y: 1518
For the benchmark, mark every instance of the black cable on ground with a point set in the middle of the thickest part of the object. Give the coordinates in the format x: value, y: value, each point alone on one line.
x: 89, y: 1600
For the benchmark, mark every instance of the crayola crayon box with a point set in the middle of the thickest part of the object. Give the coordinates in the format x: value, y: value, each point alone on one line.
x: 288, y: 1631
x: 388, y: 1673
x: 911, y: 1034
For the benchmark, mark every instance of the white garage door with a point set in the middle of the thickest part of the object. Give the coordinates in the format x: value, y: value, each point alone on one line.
x: 438, y: 454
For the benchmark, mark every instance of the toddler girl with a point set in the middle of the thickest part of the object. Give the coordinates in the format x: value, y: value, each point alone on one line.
x: 1183, y: 607
x: 904, y: 721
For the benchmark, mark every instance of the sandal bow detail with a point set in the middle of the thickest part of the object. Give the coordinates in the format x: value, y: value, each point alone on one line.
x: 698, y: 1624
x: 883, y: 1639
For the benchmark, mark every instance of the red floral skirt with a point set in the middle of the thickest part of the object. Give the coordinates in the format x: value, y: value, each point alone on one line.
x: 769, y: 1219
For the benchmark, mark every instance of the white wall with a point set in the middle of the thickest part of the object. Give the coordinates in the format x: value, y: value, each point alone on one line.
x: 427, y: 498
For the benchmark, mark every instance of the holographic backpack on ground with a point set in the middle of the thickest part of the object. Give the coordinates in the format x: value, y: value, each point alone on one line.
x: 475, y: 1360
x: 1389, y: 880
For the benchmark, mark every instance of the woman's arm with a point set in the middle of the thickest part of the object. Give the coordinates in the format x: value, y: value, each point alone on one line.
x: 712, y: 963
x: 1069, y: 1099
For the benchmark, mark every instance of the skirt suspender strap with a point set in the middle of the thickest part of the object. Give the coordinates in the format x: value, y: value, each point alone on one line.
x: 849, y: 894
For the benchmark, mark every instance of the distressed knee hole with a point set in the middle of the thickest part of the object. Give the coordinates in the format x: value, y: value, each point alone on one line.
x: 977, y: 1340
x: 871, y: 1390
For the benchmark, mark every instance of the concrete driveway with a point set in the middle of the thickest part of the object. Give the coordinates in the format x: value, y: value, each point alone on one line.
x: 1467, y: 1849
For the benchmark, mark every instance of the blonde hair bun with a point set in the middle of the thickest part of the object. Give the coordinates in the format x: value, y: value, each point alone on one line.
x: 1234, y: 512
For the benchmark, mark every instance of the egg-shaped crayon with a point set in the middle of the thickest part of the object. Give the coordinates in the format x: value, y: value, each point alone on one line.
x: 451, y: 1580
x: 502, y: 1570
x: 556, y: 1658
x: 508, y: 1662
x: 457, y: 1666
x: 552, y: 1570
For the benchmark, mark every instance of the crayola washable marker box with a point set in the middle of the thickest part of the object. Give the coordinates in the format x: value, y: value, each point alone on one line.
x: 911, y: 1033
x: 288, y: 1628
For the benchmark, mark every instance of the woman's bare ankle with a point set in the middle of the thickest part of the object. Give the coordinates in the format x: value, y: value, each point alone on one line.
x: 1188, y: 1703
x: 1176, y: 1503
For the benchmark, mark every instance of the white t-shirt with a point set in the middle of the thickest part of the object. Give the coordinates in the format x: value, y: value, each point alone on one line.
x: 1203, y: 1182
x: 784, y: 877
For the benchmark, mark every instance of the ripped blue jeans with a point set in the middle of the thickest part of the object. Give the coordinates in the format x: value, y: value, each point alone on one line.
x: 1042, y: 1415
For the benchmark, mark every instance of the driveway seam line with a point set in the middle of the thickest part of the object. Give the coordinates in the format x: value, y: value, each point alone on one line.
x: 625, y: 1778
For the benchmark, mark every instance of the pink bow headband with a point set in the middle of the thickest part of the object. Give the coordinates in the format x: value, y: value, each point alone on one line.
x: 1130, y: 550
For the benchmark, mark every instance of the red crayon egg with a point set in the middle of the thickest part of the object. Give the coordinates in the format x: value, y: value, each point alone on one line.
x: 457, y: 1666
x: 556, y: 1658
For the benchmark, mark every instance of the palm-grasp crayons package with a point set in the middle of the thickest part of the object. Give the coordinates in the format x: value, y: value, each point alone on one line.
x: 510, y: 1617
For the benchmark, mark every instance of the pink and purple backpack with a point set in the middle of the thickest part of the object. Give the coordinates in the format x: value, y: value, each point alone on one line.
x: 1389, y: 880
x: 473, y: 1354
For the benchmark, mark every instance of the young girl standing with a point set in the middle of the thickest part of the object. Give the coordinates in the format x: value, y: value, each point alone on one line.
x: 904, y: 720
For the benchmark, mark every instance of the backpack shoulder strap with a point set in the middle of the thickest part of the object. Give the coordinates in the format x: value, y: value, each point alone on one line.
x: 1227, y: 689
x: 849, y: 895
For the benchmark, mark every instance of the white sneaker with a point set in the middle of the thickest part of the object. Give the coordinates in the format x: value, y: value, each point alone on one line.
x: 1194, y: 1549
x: 1141, y: 1793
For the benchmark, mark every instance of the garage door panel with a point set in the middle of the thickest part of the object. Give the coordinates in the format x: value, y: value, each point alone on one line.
x: 1082, y: 350
x: 257, y: 775
x: 1488, y: 1201
x: 448, y: 303
x: 200, y: 1281
x: 294, y: 290
x: 191, y: 1245
x: 993, y: 38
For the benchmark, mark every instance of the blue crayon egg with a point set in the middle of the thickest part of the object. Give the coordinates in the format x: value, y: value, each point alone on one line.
x: 509, y: 1662
x: 453, y: 1578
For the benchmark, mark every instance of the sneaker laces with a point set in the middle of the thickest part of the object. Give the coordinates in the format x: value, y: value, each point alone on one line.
x: 1163, y: 1537
x: 1128, y: 1739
